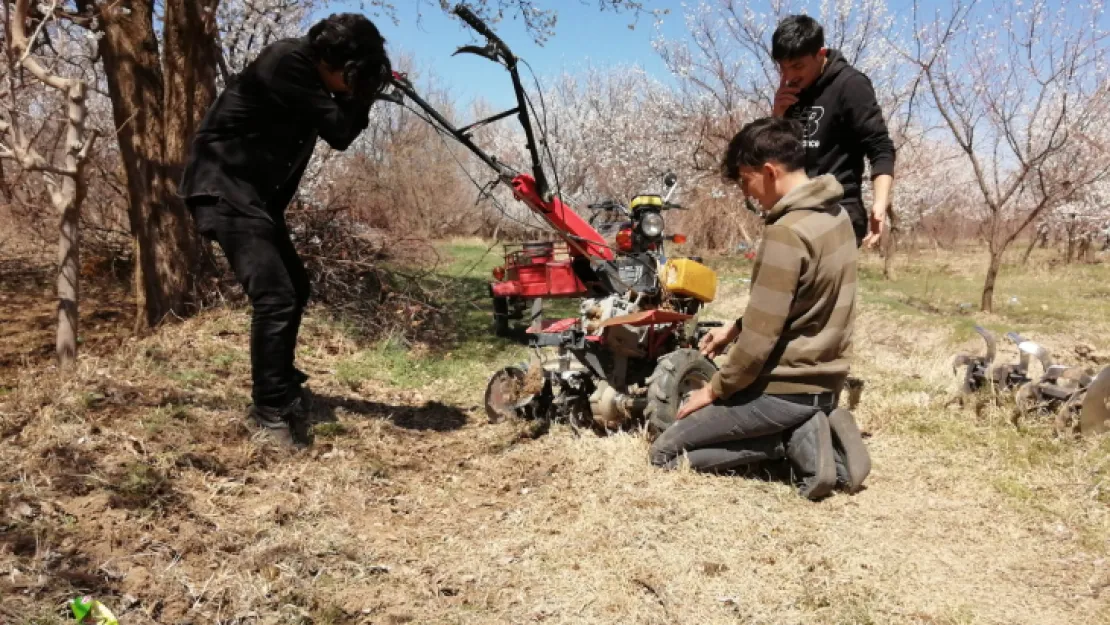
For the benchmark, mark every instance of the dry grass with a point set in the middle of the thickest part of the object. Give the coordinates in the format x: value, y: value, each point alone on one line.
x: 136, y: 481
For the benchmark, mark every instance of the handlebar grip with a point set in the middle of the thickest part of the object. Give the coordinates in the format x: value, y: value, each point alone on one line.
x: 472, y: 20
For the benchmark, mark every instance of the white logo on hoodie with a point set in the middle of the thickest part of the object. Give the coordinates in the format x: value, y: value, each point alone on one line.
x: 810, y: 117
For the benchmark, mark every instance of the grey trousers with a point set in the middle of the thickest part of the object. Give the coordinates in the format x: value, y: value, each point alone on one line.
x: 740, y: 430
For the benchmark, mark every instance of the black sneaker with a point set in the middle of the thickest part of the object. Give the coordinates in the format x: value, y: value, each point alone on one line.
x: 287, y: 426
x: 853, y: 462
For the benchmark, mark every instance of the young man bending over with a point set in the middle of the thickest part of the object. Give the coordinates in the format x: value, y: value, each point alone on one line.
x: 244, y: 168
x: 789, y: 356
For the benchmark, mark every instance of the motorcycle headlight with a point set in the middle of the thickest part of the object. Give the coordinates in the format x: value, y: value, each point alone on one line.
x: 651, y: 224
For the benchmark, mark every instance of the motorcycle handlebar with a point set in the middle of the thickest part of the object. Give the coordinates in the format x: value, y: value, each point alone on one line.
x: 473, y: 21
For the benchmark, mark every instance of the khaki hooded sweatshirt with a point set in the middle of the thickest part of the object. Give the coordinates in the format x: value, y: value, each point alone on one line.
x: 797, y: 330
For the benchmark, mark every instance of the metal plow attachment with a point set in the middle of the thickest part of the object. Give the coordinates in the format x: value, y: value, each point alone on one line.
x: 513, y: 391
x: 981, y: 371
x: 1078, y: 402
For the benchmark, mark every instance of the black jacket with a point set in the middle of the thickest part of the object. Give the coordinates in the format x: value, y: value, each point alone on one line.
x: 843, y: 123
x: 254, y: 143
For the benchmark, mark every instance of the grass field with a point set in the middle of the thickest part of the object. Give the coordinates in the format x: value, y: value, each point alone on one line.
x: 135, y: 481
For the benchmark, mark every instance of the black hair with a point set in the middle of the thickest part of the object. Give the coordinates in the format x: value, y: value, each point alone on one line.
x: 765, y: 140
x: 350, y: 42
x: 795, y: 37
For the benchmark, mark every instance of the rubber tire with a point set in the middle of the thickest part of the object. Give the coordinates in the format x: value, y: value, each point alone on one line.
x: 501, y: 317
x: 663, y: 385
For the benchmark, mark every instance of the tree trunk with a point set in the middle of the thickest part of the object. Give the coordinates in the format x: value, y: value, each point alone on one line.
x: 987, y: 302
x: 1083, y: 251
x: 189, y: 65
x: 65, y: 345
x: 1029, y: 249
x: 68, y: 200
x: 190, y: 61
x: 156, y: 118
x: 67, y: 184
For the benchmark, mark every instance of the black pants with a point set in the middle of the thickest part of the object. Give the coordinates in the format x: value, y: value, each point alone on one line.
x: 743, y: 429
x: 265, y: 262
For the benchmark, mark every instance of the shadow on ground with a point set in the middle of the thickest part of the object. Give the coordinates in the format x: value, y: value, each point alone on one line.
x: 432, y: 416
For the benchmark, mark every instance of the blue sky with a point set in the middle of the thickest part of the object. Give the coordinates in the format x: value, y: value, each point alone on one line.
x: 584, y: 36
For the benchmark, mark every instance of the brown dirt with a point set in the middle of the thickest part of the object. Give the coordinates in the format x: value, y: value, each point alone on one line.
x: 28, y: 306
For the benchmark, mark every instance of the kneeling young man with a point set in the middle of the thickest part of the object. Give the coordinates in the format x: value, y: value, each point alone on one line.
x: 789, y: 357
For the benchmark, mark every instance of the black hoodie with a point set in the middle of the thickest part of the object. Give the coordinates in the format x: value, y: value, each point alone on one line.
x: 843, y: 123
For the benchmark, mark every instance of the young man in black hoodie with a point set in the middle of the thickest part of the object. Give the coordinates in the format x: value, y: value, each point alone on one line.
x: 843, y: 122
x: 244, y: 168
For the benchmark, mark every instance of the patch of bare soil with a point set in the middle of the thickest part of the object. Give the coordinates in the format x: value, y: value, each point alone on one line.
x: 28, y: 306
x: 138, y: 482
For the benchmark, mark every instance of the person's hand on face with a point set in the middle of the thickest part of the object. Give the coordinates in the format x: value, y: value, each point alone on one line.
x: 786, y: 96
x: 796, y: 75
x: 334, y: 80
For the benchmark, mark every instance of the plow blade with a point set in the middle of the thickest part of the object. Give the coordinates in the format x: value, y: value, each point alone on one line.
x: 988, y: 338
x: 1095, y: 415
x: 521, y: 391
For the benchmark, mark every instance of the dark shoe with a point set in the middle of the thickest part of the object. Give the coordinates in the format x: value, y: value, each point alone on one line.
x: 287, y: 426
x: 853, y: 462
x: 810, y: 450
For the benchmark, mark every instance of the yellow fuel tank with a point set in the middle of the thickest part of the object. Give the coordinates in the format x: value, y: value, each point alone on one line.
x: 684, y: 276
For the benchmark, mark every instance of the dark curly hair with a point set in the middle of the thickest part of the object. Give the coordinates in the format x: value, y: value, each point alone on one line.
x: 351, y: 42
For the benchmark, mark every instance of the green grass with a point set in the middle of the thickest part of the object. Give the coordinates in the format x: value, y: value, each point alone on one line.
x: 472, y: 361
x: 1014, y: 489
x: 1030, y: 297
x: 464, y: 268
x: 225, y: 359
x: 191, y: 377
x: 164, y: 416
x: 330, y: 430
x: 468, y: 259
